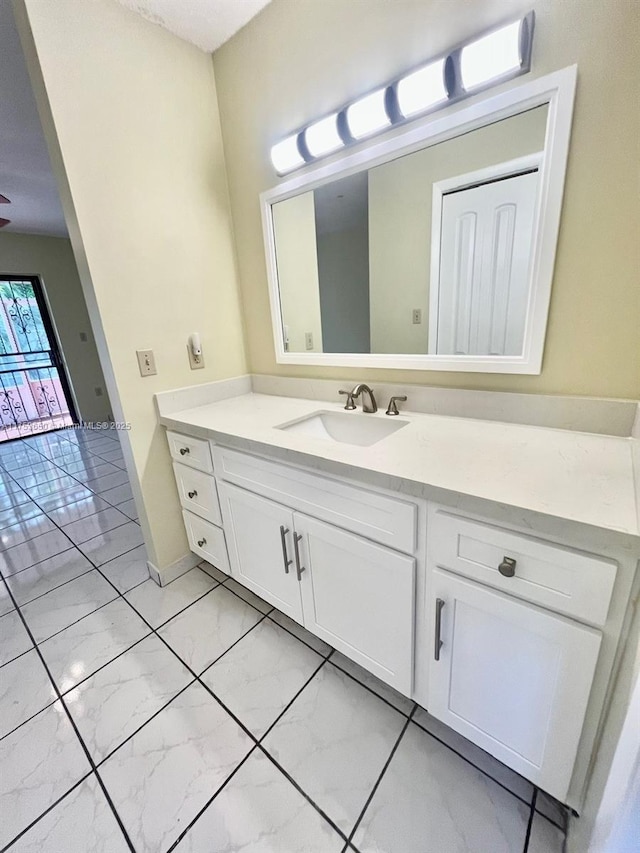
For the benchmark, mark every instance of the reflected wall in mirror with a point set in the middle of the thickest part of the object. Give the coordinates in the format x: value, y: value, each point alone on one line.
x: 435, y: 257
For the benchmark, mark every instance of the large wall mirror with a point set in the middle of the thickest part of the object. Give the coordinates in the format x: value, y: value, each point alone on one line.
x: 432, y: 249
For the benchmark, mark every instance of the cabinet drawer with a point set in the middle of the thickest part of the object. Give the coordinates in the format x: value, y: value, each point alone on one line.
x: 190, y: 451
x: 198, y: 492
x: 561, y: 579
x: 207, y: 540
x: 380, y: 518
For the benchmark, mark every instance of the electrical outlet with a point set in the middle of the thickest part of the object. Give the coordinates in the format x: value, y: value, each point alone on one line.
x: 308, y: 340
x: 146, y: 362
x: 416, y: 316
x: 195, y: 361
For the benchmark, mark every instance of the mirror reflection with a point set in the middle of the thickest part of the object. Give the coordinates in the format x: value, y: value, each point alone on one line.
x: 429, y: 253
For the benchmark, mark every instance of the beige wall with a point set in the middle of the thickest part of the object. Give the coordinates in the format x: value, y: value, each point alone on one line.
x: 400, y: 207
x: 299, y: 59
x: 294, y: 226
x: 137, y: 126
x: 51, y: 258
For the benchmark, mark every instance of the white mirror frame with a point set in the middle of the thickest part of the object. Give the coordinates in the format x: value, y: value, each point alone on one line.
x: 558, y: 91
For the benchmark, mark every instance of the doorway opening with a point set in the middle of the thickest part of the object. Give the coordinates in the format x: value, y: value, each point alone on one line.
x: 35, y: 396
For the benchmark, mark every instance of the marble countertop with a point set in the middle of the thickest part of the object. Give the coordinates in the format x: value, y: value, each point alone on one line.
x: 575, y: 476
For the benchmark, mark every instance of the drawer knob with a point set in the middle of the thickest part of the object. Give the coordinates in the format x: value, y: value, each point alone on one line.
x: 184, y: 451
x: 507, y: 567
x: 202, y: 542
x: 192, y: 494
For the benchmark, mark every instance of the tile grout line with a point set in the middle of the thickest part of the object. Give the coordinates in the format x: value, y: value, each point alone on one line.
x: 532, y: 813
x: 73, y: 724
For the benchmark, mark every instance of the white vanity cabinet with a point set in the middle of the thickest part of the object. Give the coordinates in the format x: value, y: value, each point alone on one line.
x: 356, y: 594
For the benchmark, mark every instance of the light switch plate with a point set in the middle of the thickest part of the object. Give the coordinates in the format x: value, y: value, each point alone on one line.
x: 416, y: 316
x: 146, y: 362
x: 308, y: 340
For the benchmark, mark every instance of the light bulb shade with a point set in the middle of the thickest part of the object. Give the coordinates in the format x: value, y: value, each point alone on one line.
x: 421, y: 90
x: 322, y: 137
x: 285, y: 155
x: 368, y: 115
x: 491, y: 56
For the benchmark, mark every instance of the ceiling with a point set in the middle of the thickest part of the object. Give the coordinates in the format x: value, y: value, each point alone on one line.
x: 26, y: 177
x: 25, y: 172
x: 205, y: 23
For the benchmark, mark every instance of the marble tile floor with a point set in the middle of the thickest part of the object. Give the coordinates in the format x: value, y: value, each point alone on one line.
x: 197, y: 718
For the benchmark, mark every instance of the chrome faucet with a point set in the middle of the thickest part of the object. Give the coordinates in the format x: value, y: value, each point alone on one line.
x: 368, y: 405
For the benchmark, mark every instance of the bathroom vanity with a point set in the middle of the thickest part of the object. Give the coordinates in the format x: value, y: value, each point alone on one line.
x: 483, y: 569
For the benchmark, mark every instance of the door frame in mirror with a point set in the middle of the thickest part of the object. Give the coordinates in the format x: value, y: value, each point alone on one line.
x: 557, y: 90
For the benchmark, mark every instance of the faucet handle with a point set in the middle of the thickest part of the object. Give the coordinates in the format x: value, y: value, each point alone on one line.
x: 350, y: 404
x: 392, y: 409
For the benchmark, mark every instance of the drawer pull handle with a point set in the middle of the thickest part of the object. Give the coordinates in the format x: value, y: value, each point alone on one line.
x: 299, y: 568
x: 507, y: 567
x: 438, y: 642
x: 202, y: 542
x: 184, y: 451
x: 192, y: 494
x: 283, y: 539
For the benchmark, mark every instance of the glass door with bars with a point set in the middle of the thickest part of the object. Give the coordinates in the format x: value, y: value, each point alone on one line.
x: 35, y: 396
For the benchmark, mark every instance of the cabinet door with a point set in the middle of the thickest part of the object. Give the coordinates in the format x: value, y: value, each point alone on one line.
x: 359, y: 597
x: 259, y: 534
x: 511, y: 677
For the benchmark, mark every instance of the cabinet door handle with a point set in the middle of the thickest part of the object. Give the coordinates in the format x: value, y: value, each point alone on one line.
x: 438, y: 641
x: 299, y: 568
x: 184, y: 451
x: 192, y: 494
x: 507, y: 567
x: 202, y: 542
x: 285, y: 557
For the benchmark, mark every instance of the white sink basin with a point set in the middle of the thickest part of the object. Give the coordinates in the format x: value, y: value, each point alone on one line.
x: 345, y: 427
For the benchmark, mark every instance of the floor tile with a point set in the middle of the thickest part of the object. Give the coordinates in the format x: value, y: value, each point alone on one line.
x: 14, y: 639
x: 430, y: 799
x: 260, y: 811
x: 383, y: 690
x: 40, y: 762
x: 33, y: 551
x: 206, y: 629
x: 11, y: 499
x: 83, y: 647
x: 156, y: 603
x: 21, y: 531
x: 59, y: 608
x: 13, y: 515
x: 25, y: 689
x: 44, y: 490
x: 214, y: 572
x: 261, y: 674
x: 551, y: 808
x: 94, y: 525
x: 113, y: 456
x: 6, y: 605
x: 129, y: 508
x: 301, y: 633
x: 113, y: 543
x: 125, y: 694
x: 96, y: 472
x: 545, y: 837
x: 119, y: 495
x: 161, y: 777
x: 80, y: 509
x: 82, y: 822
x: 46, y: 475
x: 334, y: 741
x: 248, y: 596
x: 82, y: 466
x: 127, y: 570
x: 110, y: 481
x: 68, y: 496
x: 478, y: 757
x: 48, y: 575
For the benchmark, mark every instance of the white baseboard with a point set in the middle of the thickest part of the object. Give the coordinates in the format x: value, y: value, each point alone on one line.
x: 164, y: 576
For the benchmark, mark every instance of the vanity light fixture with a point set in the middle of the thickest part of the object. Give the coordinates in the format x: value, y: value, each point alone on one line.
x: 491, y: 57
x: 422, y: 89
x: 286, y: 156
x: 464, y: 71
x: 323, y: 137
x: 368, y: 115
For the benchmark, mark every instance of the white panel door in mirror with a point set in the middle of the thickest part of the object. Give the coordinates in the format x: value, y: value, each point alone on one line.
x: 479, y: 292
